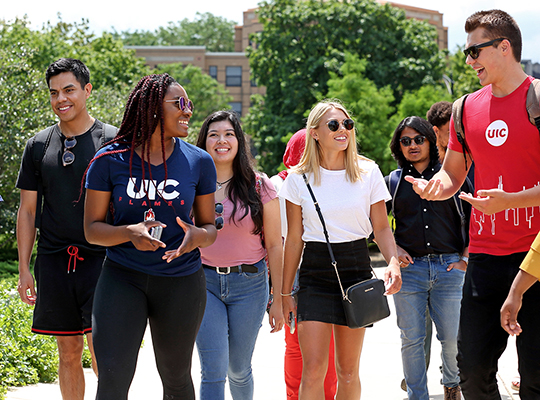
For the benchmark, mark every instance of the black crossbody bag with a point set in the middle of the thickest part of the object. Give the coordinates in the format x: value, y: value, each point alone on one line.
x: 364, y: 302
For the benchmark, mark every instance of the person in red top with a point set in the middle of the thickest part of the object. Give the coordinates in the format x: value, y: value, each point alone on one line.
x: 505, y: 218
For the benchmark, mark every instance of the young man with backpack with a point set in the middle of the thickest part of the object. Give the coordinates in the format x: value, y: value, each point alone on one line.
x: 432, y: 248
x: 67, y: 267
x: 505, y: 147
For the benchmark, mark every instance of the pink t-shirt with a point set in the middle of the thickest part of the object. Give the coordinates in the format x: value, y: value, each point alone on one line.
x: 235, y: 243
x: 506, y: 150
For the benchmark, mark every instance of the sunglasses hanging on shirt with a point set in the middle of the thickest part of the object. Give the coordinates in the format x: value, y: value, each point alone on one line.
x: 68, y: 157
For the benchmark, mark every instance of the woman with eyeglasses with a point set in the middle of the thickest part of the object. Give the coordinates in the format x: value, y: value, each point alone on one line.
x: 151, y: 181
x: 351, y: 194
x: 249, y: 230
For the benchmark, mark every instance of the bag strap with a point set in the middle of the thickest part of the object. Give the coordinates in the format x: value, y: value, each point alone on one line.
x: 533, y: 103
x: 457, y: 114
x: 39, y: 148
x: 334, y: 262
x: 394, y: 180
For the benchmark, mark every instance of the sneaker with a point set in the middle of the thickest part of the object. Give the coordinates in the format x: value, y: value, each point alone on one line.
x: 403, y: 385
x: 452, y: 393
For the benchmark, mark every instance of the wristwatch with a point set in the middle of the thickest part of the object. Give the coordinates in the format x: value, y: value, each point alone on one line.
x: 466, y: 259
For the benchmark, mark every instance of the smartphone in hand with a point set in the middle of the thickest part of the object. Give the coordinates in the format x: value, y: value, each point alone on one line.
x: 292, y: 322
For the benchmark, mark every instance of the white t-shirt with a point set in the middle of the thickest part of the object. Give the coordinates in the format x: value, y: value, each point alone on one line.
x: 345, y: 206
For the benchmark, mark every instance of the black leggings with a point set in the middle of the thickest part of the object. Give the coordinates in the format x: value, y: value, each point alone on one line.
x: 124, y: 300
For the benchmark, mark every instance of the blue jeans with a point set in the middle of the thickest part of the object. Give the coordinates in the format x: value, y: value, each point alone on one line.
x: 235, y: 307
x: 428, y: 285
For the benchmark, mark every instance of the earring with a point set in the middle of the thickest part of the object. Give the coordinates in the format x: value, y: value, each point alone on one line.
x: 155, y: 115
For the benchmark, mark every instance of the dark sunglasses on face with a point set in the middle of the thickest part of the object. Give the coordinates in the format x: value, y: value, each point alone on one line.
x: 68, y: 157
x: 333, y: 124
x: 474, y: 50
x: 219, y: 219
x: 181, y: 104
x: 406, y: 141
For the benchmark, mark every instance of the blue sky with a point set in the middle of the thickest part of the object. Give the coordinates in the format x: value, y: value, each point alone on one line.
x: 143, y: 15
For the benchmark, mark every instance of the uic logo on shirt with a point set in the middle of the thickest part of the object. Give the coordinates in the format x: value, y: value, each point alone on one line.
x: 497, y: 133
x: 136, y: 191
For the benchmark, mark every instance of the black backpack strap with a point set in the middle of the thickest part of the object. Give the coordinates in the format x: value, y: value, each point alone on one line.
x: 394, y: 180
x: 459, y: 207
x: 108, y: 133
x: 40, y: 145
x: 533, y: 103
x: 457, y: 115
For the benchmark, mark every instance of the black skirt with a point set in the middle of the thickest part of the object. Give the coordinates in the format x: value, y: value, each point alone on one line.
x: 319, y: 297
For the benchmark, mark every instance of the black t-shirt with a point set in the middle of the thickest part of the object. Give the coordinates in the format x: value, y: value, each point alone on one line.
x: 63, y: 201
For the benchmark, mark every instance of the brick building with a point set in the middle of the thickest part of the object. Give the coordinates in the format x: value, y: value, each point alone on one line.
x: 232, y: 69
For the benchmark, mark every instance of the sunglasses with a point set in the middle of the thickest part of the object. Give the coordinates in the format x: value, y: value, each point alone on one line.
x: 68, y: 157
x: 333, y: 124
x: 406, y: 141
x: 474, y: 51
x: 181, y: 104
x: 219, y: 220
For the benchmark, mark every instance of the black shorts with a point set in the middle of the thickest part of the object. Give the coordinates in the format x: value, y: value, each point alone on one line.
x: 65, y: 287
x: 319, y: 297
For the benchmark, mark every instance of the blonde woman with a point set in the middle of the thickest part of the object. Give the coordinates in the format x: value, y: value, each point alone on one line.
x: 351, y: 193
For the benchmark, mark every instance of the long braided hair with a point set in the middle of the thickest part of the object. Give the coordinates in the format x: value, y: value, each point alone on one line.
x: 242, y: 188
x: 143, y: 112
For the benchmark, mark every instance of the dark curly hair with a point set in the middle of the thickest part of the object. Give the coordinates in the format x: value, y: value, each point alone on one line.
x: 439, y: 113
x: 242, y: 188
x: 424, y: 128
x: 143, y: 112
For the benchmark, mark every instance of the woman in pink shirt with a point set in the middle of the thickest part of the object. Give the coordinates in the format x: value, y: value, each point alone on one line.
x: 249, y: 230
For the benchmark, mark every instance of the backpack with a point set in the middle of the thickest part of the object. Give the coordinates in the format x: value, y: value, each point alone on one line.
x: 532, y: 105
x: 394, y: 179
x: 41, y: 143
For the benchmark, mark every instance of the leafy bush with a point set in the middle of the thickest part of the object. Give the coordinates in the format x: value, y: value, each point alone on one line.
x: 25, y: 358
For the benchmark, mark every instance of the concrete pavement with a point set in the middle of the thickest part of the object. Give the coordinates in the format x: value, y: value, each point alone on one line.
x: 380, y: 369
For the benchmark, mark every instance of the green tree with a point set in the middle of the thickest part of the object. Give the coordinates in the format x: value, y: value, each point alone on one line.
x: 303, y: 42
x: 418, y: 102
x: 24, y: 103
x: 369, y: 106
x: 24, y: 109
x: 463, y: 77
x: 207, y: 94
x: 214, y: 32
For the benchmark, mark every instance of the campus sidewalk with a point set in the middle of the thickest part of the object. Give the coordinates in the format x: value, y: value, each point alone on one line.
x: 380, y: 369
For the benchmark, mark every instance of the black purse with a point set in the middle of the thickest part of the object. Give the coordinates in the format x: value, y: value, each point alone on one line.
x: 364, y: 302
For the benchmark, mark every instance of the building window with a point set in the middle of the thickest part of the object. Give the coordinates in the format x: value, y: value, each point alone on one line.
x: 212, y: 71
x: 234, y: 76
x: 236, y: 107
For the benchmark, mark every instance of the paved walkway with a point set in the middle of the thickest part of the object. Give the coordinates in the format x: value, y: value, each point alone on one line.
x: 380, y: 369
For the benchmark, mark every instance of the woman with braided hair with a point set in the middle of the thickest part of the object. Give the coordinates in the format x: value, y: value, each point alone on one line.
x: 151, y: 180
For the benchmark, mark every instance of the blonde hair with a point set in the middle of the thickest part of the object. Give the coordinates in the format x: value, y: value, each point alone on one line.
x: 312, y: 156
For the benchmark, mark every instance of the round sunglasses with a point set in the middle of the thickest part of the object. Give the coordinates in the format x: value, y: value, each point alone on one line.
x: 219, y: 219
x: 182, y: 104
x: 68, y: 156
x: 407, y: 141
x: 333, y: 124
x: 474, y: 50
